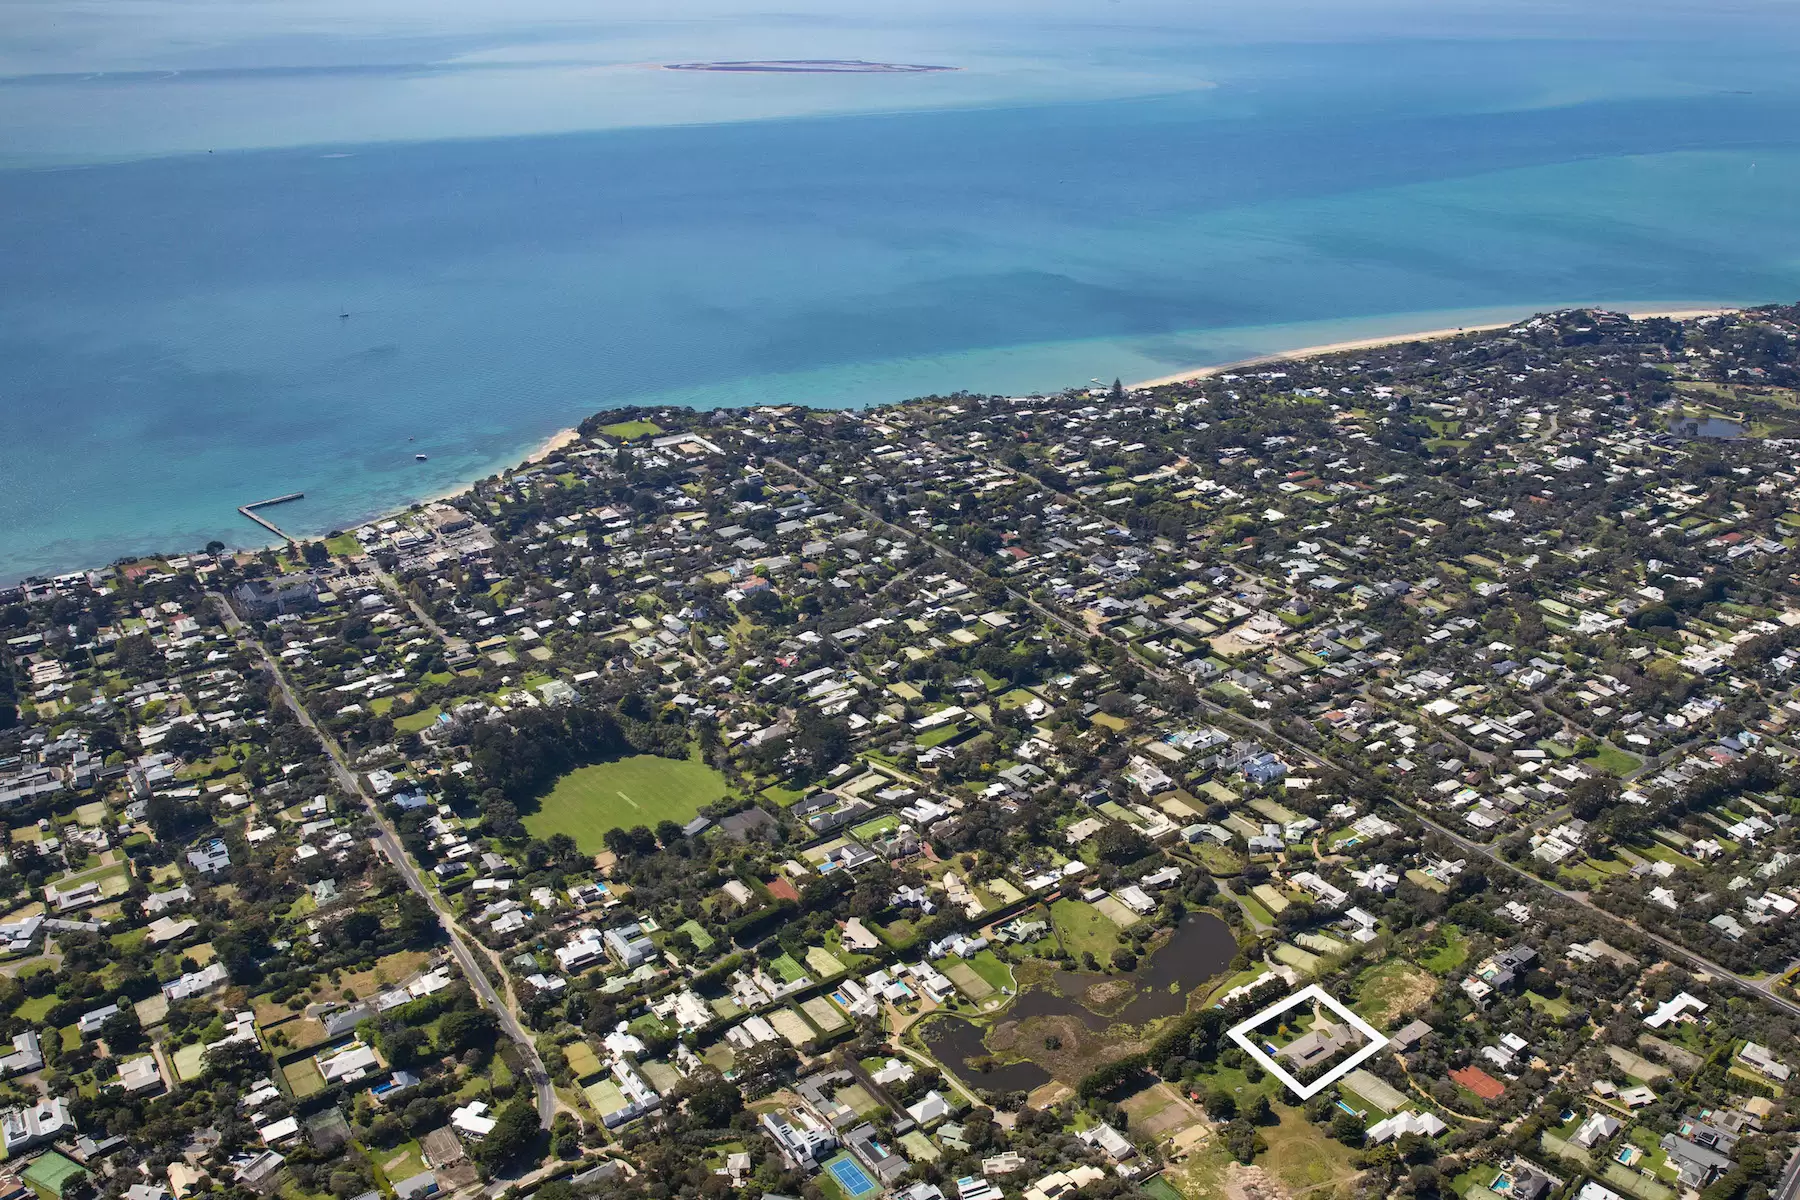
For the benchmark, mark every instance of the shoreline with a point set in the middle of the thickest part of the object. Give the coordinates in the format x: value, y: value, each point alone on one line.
x: 1395, y: 339
x: 549, y: 446
x: 570, y: 435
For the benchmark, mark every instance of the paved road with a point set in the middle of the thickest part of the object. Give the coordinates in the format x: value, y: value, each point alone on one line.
x: 1758, y: 987
x: 389, y: 842
x: 450, y: 641
x: 1790, y: 1178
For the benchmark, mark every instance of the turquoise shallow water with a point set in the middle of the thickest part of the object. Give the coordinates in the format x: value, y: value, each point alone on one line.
x: 170, y: 344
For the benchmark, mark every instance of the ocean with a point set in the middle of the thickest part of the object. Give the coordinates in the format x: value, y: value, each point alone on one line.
x: 1121, y: 197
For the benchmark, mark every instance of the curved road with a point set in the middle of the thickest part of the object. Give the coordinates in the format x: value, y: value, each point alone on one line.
x: 389, y: 843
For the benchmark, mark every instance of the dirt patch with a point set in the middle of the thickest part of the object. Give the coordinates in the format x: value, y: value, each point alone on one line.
x: 1252, y: 1183
x: 1187, y: 1142
x: 1395, y: 989
x: 1160, y: 1110
x: 463, y: 1174
x: 1050, y: 1095
x: 1679, y: 1057
x: 441, y: 1147
x: 1108, y: 993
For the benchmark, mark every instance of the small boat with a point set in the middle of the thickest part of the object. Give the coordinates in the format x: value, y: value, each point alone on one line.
x: 420, y: 457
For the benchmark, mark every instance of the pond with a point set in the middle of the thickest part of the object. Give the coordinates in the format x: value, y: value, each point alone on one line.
x: 1200, y: 949
x: 1691, y: 425
x: 956, y: 1043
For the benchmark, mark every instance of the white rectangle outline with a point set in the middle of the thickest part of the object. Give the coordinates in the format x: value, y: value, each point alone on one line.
x: 1240, y: 1033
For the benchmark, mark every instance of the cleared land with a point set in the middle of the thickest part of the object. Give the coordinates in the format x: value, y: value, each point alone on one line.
x: 1302, y: 1157
x: 1394, y: 988
x: 641, y: 790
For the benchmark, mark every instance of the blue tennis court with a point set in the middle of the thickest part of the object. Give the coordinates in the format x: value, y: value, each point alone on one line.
x: 854, y: 1179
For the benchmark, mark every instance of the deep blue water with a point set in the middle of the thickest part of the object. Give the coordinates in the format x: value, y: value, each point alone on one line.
x: 170, y: 344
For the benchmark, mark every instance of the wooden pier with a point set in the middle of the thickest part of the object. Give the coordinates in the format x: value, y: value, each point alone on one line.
x: 249, y: 510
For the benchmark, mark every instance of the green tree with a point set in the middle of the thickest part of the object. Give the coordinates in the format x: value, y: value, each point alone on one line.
x: 1347, y: 1128
x: 515, y: 1132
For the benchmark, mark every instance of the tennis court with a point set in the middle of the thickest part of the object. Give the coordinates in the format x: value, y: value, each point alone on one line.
x: 853, y: 1179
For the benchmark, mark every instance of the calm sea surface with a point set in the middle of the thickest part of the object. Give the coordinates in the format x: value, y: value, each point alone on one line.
x: 524, y: 230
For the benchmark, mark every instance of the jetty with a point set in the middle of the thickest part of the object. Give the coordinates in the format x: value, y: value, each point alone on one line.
x: 249, y: 510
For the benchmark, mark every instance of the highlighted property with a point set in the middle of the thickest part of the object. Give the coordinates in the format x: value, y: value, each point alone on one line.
x: 1309, y: 1043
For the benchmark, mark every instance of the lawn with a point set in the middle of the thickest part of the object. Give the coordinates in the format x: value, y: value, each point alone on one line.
x: 344, y: 545
x: 35, y: 1009
x: 402, y: 1161
x: 1448, y: 956
x: 885, y: 823
x: 1613, y: 761
x: 1556, y: 1007
x: 776, y: 794
x: 784, y: 968
x: 938, y: 736
x: 1083, y: 928
x: 640, y: 790
x: 624, y: 431
x: 999, y: 976
x: 414, y: 722
x: 1254, y: 910
x: 583, y: 1062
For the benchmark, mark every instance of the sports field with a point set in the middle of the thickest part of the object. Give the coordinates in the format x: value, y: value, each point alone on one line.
x: 626, y: 430
x: 850, y: 1176
x: 640, y: 790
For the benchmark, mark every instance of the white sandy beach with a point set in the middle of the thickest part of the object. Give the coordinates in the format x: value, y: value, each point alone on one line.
x: 1679, y: 314
x: 553, y: 443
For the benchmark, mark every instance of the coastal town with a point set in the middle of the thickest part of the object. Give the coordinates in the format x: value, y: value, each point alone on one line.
x: 1357, y: 775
